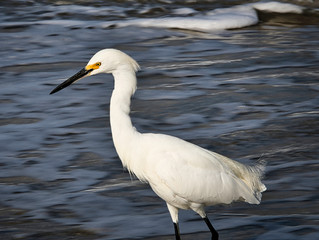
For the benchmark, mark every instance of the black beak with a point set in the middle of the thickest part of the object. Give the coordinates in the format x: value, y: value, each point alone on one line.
x: 81, y: 74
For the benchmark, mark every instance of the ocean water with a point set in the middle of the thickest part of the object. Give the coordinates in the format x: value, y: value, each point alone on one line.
x: 239, y: 78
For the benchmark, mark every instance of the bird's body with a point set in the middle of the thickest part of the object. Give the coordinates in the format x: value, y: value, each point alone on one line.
x: 189, y: 177
x: 184, y: 175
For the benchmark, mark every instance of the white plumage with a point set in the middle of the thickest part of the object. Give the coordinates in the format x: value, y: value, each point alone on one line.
x: 184, y: 175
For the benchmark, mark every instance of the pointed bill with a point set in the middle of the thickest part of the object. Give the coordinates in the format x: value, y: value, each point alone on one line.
x: 81, y: 74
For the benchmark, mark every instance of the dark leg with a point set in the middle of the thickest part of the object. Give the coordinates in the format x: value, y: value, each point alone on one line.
x: 211, y: 228
x: 176, y: 228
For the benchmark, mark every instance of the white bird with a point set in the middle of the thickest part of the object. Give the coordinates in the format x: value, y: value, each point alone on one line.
x: 184, y: 175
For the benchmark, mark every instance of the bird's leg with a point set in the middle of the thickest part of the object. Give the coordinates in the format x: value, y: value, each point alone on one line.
x: 176, y: 228
x: 174, y: 214
x: 211, y: 228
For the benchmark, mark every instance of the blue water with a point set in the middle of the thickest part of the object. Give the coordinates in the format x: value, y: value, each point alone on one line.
x: 249, y: 93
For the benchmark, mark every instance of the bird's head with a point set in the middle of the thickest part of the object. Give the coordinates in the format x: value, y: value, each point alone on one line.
x: 104, y: 61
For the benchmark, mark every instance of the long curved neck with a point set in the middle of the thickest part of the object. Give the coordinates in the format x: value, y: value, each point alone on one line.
x: 122, y: 129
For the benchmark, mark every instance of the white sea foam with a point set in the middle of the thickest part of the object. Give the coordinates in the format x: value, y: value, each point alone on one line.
x: 277, y: 7
x: 218, y: 19
x: 184, y: 11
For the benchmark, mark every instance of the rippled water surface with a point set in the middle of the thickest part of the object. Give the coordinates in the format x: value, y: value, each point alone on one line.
x: 249, y: 93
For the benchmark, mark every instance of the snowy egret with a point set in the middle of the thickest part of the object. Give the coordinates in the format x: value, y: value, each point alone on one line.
x: 184, y: 175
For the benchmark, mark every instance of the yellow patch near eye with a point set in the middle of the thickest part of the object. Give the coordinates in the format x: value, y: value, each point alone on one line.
x: 93, y: 66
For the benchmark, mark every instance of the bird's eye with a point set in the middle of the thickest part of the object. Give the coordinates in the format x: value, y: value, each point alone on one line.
x: 98, y: 64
